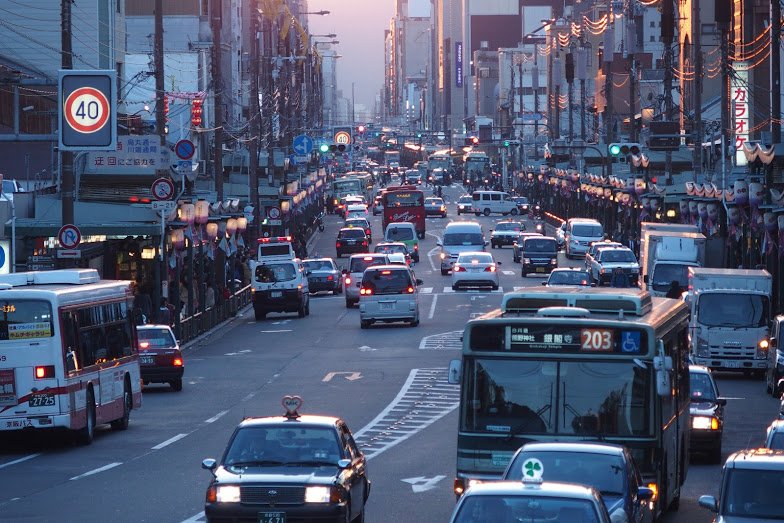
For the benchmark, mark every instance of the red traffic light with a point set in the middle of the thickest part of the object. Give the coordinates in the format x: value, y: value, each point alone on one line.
x: 474, y: 140
x: 361, y: 128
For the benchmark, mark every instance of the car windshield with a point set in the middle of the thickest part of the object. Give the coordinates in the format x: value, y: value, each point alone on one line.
x: 701, y: 387
x: 434, y: 201
x: 467, y: 259
x: 276, y: 272
x: 523, y: 396
x: 508, y: 226
x: 400, y: 233
x: 776, y: 441
x: 362, y: 263
x: 569, y: 278
x: 319, y: 265
x: 401, y: 248
x: 617, y: 256
x: 270, y: 446
x: 357, y: 223
x: 465, y: 199
x: 523, y: 508
x: 540, y: 245
x: 587, y: 230
x: 732, y: 310
x: 387, y: 281
x: 665, y: 273
x: 605, y: 472
x: 754, y: 494
x: 155, y: 338
x: 463, y: 238
x: 352, y: 233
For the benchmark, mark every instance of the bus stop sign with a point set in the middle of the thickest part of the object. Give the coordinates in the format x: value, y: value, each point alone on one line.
x: 87, y: 109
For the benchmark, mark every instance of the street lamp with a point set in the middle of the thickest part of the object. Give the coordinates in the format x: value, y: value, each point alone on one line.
x: 320, y: 13
x: 330, y: 35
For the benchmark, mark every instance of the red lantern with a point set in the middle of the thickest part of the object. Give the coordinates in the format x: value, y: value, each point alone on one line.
x: 166, y: 108
x: 196, y: 110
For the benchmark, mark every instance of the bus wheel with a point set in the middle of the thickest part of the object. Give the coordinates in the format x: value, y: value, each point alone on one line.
x: 85, y: 435
x: 122, y: 422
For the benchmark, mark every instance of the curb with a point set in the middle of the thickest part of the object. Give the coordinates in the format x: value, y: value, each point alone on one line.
x: 226, y: 324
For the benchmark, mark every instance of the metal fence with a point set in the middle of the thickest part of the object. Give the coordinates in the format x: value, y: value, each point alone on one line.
x: 191, y: 327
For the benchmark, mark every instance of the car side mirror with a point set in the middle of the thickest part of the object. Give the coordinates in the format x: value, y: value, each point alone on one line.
x: 344, y: 463
x: 773, y: 342
x: 721, y: 401
x: 455, y: 370
x: 644, y: 493
x: 209, y: 464
x: 709, y: 502
x: 544, y: 284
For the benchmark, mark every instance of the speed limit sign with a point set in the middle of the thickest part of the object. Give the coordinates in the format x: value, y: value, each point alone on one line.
x: 87, y: 108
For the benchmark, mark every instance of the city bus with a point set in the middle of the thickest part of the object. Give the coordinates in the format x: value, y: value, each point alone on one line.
x: 353, y: 183
x: 68, y: 352
x: 404, y: 203
x: 392, y: 160
x: 476, y: 167
x: 570, y: 365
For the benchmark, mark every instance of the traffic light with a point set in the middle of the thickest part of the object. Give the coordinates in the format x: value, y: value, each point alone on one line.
x: 324, y: 148
x: 506, y: 143
x: 472, y: 140
x: 361, y: 128
x: 624, y: 149
x: 337, y: 148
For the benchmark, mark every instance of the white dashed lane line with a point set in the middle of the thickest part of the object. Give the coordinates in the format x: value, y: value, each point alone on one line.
x: 19, y: 460
x: 96, y: 471
x: 169, y: 441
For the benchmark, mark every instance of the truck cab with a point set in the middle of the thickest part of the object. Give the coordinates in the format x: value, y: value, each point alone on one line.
x: 730, y: 310
x: 667, y: 252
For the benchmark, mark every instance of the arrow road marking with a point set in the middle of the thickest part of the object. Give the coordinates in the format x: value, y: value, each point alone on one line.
x: 352, y: 376
x: 367, y: 348
x: 421, y: 483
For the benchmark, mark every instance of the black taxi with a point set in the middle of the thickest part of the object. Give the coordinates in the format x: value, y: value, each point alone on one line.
x: 287, y: 469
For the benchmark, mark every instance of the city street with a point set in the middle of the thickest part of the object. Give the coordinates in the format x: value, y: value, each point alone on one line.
x: 388, y: 382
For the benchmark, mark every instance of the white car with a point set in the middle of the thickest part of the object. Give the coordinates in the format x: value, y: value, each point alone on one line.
x: 475, y: 269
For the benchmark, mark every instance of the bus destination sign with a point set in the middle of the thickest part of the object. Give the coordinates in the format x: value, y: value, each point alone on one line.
x: 576, y: 340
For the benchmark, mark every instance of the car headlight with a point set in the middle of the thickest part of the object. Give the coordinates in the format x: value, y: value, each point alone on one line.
x: 317, y: 495
x: 702, y: 348
x: 553, y: 261
x: 228, y: 494
x: 705, y: 423
x: 443, y: 255
x: 526, y: 260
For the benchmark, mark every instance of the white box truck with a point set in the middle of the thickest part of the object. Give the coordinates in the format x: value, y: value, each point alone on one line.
x: 667, y: 251
x: 730, y: 311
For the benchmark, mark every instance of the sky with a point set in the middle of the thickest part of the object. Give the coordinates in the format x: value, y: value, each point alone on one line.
x: 360, y: 26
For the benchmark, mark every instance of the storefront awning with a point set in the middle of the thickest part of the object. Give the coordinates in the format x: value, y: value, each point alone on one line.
x: 31, y: 227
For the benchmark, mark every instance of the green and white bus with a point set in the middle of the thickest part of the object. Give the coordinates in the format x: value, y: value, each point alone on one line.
x: 566, y: 364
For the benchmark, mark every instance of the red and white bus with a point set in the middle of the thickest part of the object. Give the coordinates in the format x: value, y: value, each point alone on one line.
x: 68, y: 352
x: 404, y: 203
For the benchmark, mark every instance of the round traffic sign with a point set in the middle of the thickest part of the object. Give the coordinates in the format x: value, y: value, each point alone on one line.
x: 87, y: 110
x: 273, y: 213
x: 69, y: 236
x: 342, y: 138
x: 184, y: 149
x: 162, y: 189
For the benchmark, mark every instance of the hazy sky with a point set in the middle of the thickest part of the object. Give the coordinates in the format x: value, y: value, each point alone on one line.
x: 360, y: 26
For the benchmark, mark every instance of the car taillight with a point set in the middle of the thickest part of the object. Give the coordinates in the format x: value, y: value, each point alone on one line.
x: 177, y: 362
x: 416, y: 247
x: 364, y: 243
x: 337, y: 244
x: 410, y: 290
x: 490, y: 269
x: 212, y: 494
x: 348, y: 280
x: 365, y: 292
x: 458, y: 268
x: 44, y: 371
x: 367, y: 231
x: 330, y: 278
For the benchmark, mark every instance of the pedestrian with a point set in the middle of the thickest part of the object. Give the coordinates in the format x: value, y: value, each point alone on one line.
x: 674, y: 291
x: 142, y: 305
x: 166, y: 313
x: 209, y: 296
x: 619, y: 279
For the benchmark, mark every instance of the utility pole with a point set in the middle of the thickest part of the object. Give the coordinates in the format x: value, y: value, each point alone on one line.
x: 582, y: 75
x: 161, y: 273
x: 668, y: 35
x: 535, y: 87
x: 570, y: 85
x: 255, y: 128
x: 66, y: 157
x: 217, y: 87
x: 696, y: 31
x: 557, y: 80
x: 631, y: 47
x: 609, y: 51
x: 775, y: 70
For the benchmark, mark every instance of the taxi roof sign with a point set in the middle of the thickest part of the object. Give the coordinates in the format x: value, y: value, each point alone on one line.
x: 292, y: 404
x: 279, y: 239
x: 532, y: 471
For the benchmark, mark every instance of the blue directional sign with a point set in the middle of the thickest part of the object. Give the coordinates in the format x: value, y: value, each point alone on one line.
x: 303, y: 144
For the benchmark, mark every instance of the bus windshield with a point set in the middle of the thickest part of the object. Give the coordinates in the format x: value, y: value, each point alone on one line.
x: 527, y: 396
x: 404, y: 199
x: 25, y: 319
x: 347, y: 186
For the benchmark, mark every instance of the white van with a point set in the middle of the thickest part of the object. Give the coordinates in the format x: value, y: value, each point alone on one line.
x: 460, y: 237
x: 580, y: 233
x: 486, y: 202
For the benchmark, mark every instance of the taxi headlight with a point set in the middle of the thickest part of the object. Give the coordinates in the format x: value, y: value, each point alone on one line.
x: 317, y: 495
x: 228, y: 494
x: 443, y: 255
x: 705, y: 423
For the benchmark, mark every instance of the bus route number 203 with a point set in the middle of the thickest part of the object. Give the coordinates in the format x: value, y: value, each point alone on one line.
x: 596, y: 340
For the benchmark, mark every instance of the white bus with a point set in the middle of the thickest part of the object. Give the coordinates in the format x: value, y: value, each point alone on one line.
x: 68, y: 352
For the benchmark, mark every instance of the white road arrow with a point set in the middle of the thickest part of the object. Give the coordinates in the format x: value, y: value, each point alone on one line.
x: 367, y: 348
x: 422, y: 483
x: 351, y: 376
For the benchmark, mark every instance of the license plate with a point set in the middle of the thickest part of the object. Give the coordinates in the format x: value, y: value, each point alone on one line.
x: 732, y: 364
x: 272, y: 517
x: 276, y: 294
x: 540, y: 269
x: 41, y: 400
x: 147, y: 360
x: 351, y: 242
x: 387, y: 306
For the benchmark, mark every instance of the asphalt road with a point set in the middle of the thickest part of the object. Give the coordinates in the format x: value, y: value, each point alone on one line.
x: 388, y: 382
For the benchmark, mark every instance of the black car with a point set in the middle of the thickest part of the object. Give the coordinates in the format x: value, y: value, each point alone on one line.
x: 522, y: 204
x: 518, y: 244
x: 323, y: 275
x: 538, y: 255
x: 706, y: 412
x: 351, y: 241
x: 288, y: 468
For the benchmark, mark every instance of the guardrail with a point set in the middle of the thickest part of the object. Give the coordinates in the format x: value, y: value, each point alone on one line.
x: 192, y: 326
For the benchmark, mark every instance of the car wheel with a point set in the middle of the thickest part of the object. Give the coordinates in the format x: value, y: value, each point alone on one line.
x: 85, y: 435
x: 176, y: 385
x: 444, y: 272
x: 415, y: 323
x: 364, y: 324
x: 455, y: 287
x: 523, y: 274
x: 260, y: 315
x: 477, y: 213
x: 513, y: 212
x: 122, y: 422
x: 301, y: 310
x: 486, y: 212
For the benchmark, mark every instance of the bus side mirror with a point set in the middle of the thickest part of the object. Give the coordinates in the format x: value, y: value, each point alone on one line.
x: 439, y: 243
x: 453, y: 377
x: 662, y: 364
x: 645, y: 278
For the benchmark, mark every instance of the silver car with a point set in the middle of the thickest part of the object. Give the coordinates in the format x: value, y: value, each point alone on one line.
x: 353, y: 275
x: 389, y: 293
x: 475, y: 269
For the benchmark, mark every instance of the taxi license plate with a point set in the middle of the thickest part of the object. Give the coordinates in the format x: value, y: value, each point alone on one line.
x: 272, y: 517
x: 540, y: 269
x: 41, y: 400
x: 276, y: 294
x: 387, y: 306
x: 147, y: 360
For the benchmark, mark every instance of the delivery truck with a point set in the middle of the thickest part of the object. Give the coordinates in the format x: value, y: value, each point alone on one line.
x: 667, y: 251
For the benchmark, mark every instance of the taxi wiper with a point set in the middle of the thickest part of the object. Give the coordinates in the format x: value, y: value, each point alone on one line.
x: 257, y: 463
x: 313, y: 462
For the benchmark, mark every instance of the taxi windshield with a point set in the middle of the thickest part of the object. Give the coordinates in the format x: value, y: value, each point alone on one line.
x: 569, y: 278
x: 508, y: 226
x: 319, y: 265
x: 701, y: 387
x: 400, y: 233
x: 276, y: 445
x: 276, y: 272
x: 605, y: 472
x: 156, y: 338
x: 520, y: 507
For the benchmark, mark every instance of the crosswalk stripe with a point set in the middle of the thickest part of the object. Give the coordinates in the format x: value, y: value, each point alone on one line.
x: 426, y: 290
x: 509, y: 273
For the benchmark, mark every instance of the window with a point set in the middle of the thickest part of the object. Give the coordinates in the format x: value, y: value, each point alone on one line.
x: 653, y: 24
x: 277, y: 272
x: 387, y: 281
x: 495, y: 197
x: 360, y: 264
x: 653, y: 38
x: 400, y: 234
x: 25, y: 319
x: 352, y: 234
x: 96, y: 334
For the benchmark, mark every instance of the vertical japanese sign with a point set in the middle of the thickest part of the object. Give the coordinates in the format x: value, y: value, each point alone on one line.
x: 739, y: 95
x: 458, y: 64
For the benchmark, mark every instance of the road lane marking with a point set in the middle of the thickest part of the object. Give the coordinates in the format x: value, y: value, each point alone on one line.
x: 352, y: 376
x: 96, y: 471
x: 278, y: 330
x: 216, y: 417
x: 169, y: 441
x: 198, y: 517
x: 432, y: 308
x: 20, y: 460
x: 442, y: 341
x: 422, y: 483
x: 426, y: 290
x: 509, y: 273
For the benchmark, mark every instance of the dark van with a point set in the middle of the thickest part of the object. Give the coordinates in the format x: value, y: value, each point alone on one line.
x: 539, y: 255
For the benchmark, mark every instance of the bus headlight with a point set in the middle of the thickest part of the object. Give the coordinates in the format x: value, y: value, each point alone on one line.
x: 227, y: 494
x: 705, y: 423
